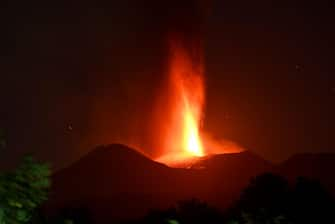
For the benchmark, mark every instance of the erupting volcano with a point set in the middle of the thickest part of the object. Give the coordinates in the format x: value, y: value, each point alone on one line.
x: 180, y: 110
x: 185, y: 97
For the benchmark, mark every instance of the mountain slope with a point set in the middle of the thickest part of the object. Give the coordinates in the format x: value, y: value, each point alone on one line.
x: 119, y: 182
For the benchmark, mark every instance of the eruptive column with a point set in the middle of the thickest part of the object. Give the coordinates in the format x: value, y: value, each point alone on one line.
x: 178, y: 115
x: 185, y: 97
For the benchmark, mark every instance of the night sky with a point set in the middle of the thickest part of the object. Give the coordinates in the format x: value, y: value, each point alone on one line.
x: 76, y: 74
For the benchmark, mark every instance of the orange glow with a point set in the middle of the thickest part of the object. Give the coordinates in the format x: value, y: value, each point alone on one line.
x: 186, y: 96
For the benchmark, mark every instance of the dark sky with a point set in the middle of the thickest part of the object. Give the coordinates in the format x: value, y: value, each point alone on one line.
x: 75, y: 74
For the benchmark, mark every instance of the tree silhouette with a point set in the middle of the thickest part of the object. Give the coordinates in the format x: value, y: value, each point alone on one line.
x: 267, y: 194
x: 196, y: 211
x: 78, y: 215
x: 185, y: 212
x: 312, y: 203
x: 23, y: 190
x: 269, y: 199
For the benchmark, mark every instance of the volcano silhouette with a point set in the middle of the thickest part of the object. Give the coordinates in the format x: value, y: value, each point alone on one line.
x: 115, y: 182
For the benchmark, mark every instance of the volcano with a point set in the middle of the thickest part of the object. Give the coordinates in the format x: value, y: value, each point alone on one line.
x: 115, y: 182
x: 120, y: 180
x: 180, y: 108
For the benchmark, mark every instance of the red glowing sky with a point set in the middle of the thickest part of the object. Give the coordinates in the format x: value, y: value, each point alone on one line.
x: 269, y: 74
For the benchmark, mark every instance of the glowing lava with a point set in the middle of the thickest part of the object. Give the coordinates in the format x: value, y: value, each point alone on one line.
x: 189, y: 86
x: 186, y: 96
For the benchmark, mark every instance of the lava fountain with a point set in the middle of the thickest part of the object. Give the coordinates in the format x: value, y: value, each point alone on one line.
x: 185, y: 96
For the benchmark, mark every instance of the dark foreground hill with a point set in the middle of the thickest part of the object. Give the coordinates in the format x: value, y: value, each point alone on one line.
x: 116, y: 182
x: 319, y: 166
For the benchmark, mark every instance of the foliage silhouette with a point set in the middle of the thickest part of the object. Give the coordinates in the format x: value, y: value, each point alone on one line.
x: 23, y: 190
x: 266, y: 197
x: 185, y: 212
x: 72, y: 215
x: 312, y: 203
x: 270, y: 200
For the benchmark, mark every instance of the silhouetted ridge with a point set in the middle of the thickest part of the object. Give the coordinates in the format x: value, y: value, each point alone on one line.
x: 318, y: 166
x: 119, y: 182
x: 245, y: 161
x: 113, y: 149
x: 309, y: 164
x: 310, y: 158
x: 121, y: 155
